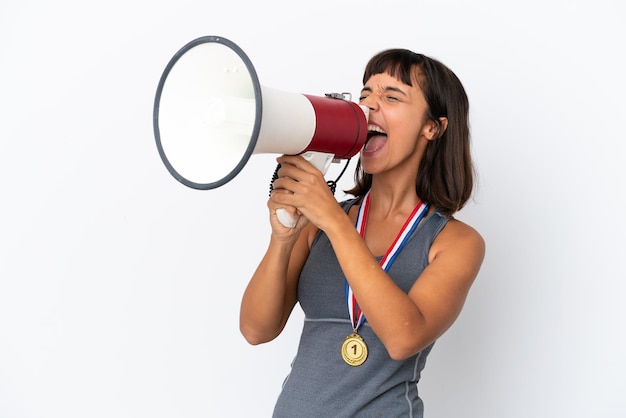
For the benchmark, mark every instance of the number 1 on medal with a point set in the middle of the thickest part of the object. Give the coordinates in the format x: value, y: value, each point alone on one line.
x: 354, y: 350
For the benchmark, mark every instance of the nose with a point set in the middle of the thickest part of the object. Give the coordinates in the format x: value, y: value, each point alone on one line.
x: 370, y: 102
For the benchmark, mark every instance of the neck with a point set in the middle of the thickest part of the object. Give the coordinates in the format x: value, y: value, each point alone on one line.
x: 389, y: 199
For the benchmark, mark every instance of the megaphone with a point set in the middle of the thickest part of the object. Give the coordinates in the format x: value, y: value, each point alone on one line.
x: 211, y: 114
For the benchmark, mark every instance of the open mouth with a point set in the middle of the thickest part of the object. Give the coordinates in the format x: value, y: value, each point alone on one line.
x: 376, y: 138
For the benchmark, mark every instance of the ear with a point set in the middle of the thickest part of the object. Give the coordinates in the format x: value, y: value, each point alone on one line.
x: 435, y: 128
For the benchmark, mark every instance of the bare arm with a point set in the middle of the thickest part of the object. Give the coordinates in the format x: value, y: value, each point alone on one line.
x: 408, y: 323
x: 271, y: 293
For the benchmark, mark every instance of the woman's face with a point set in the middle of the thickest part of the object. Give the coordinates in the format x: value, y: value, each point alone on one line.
x: 397, y: 124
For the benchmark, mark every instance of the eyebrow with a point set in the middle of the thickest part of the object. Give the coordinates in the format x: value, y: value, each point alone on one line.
x: 385, y: 89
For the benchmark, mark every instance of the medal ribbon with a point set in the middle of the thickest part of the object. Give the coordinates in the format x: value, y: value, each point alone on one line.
x: 356, y: 314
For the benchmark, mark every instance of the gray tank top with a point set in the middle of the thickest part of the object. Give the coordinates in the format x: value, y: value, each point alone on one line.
x: 320, y: 384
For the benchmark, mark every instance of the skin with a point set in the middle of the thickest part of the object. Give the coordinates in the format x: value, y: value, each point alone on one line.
x: 405, y: 323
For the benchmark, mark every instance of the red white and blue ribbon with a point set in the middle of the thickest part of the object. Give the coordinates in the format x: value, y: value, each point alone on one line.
x: 356, y: 314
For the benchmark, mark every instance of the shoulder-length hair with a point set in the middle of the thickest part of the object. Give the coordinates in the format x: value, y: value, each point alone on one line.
x: 445, y: 176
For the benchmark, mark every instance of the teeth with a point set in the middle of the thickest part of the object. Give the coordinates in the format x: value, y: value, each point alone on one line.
x: 374, y: 128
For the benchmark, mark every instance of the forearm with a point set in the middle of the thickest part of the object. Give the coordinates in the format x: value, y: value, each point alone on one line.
x: 407, y: 323
x: 389, y: 311
x: 267, y: 301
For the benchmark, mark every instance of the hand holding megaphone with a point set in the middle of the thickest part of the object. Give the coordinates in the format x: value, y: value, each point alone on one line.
x: 321, y: 161
x: 211, y: 114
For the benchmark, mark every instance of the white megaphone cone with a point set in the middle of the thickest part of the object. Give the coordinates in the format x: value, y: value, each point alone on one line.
x: 211, y: 114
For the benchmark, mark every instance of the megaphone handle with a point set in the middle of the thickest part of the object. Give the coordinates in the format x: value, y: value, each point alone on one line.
x: 286, y: 219
x: 321, y: 161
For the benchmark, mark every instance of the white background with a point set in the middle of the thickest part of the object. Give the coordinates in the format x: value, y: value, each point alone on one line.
x: 120, y: 287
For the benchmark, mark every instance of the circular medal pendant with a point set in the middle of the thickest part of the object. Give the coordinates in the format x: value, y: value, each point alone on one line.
x: 354, y: 350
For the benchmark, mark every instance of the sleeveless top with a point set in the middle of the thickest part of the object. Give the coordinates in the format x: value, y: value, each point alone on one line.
x: 320, y: 384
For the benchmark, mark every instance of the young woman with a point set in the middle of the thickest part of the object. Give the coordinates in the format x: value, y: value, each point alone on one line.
x: 382, y: 275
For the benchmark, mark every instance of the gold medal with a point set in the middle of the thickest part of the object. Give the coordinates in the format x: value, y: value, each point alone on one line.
x: 354, y: 350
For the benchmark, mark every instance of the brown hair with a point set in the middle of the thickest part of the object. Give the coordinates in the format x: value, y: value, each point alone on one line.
x: 445, y: 177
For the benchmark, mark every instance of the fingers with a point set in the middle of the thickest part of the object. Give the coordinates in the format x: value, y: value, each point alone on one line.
x: 297, y: 161
x: 295, y: 171
x: 286, y: 221
x: 291, y: 159
x: 301, y: 186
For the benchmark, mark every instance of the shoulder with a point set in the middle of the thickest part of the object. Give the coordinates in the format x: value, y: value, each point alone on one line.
x: 348, y: 203
x: 460, y: 239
